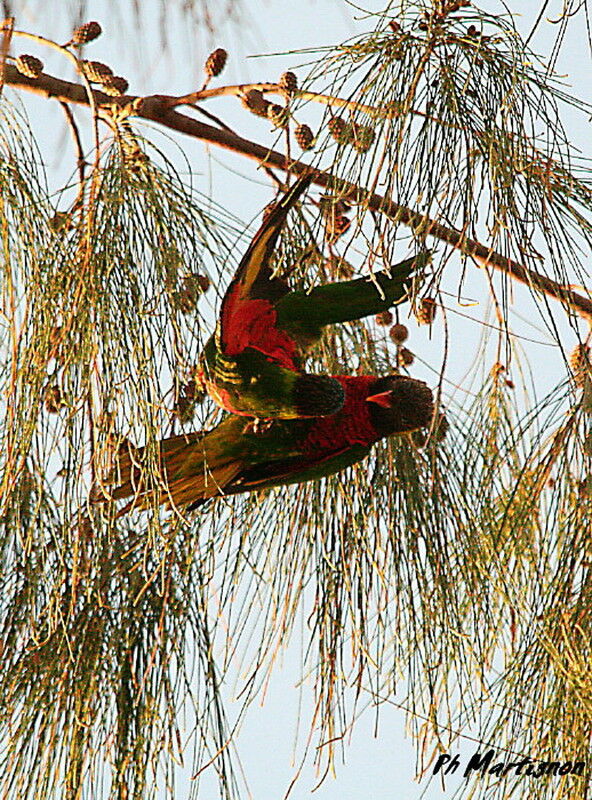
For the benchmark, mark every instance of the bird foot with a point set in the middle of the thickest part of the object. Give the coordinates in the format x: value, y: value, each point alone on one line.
x: 258, y: 426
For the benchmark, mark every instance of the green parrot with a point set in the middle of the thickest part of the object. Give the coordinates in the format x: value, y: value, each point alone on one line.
x: 231, y: 458
x: 252, y: 366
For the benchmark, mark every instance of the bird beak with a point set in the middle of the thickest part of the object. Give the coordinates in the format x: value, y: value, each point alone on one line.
x: 383, y: 399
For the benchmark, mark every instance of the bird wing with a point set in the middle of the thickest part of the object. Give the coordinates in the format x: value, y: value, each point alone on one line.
x: 303, y: 314
x: 247, y: 316
x: 298, y: 469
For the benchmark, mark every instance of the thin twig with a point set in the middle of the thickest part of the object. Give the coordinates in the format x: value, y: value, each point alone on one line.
x: 80, y: 160
x: 157, y: 108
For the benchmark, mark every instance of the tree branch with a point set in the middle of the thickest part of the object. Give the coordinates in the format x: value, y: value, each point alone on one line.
x: 157, y: 108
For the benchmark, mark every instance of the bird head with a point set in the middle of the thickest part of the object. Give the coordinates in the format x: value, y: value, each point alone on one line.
x: 399, y: 404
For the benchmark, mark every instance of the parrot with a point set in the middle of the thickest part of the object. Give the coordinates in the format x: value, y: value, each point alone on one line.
x: 231, y: 458
x: 252, y: 365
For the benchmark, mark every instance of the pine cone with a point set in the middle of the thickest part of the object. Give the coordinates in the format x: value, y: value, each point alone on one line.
x: 184, y: 409
x: 304, y: 136
x: 185, y: 300
x: 95, y: 71
x: 86, y: 33
x: 203, y: 282
x: 53, y: 399
x: 405, y: 357
x: 288, y: 83
x: 384, y: 318
x: 60, y: 222
x: 188, y: 397
x: 580, y: 364
x: 278, y: 115
x: 114, y: 85
x: 216, y: 62
x: 30, y: 66
x: 340, y: 268
x: 440, y: 428
x: 255, y: 102
x: 337, y: 226
x: 134, y: 158
x: 426, y: 313
x: 399, y: 333
x: 340, y: 130
x: 363, y: 138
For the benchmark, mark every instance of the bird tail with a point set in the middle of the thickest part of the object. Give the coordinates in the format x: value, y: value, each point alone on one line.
x: 185, y: 476
x: 254, y: 275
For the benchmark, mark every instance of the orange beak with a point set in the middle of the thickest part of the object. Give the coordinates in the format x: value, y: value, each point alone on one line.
x: 383, y: 399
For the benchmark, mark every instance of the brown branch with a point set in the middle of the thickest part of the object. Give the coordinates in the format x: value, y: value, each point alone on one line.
x: 240, y: 89
x: 157, y: 108
x: 6, y: 29
x: 80, y: 160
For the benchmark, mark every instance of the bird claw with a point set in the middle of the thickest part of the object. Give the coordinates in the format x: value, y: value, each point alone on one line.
x: 258, y: 426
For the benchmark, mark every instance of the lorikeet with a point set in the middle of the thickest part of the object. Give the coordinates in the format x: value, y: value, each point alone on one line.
x: 231, y: 458
x: 253, y: 364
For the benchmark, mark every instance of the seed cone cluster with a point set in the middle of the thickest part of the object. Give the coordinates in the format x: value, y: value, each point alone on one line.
x: 114, y: 85
x: 86, y: 33
x: 30, y: 66
x: 581, y: 364
x: 96, y: 71
x: 304, y: 136
x: 216, y: 62
x: 288, y: 83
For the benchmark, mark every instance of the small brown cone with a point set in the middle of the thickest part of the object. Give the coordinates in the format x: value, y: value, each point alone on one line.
x: 384, y: 318
x: 203, y: 281
x: 60, y: 222
x: 216, y: 62
x: 405, y: 357
x: 337, y: 226
x: 362, y: 138
x: 440, y: 428
x: 184, y: 409
x: 278, y: 115
x: 114, y: 85
x: 86, y: 33
x: 288, y: 83
x: 255, y: 102
x: 191, y: 288
x: 30, y: 66
x: 185, y: 300
x: 188, y: 397
x: 96, y: 71
x: 340, y: 268
x: 426, y: 313
x: 340, y: 130
x: 581, y: 364
x: 53, y: 399
x: 304, y: 136
x: 399, y: 333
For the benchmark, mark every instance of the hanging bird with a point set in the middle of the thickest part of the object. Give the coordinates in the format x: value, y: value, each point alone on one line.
x: 252, y: 366
x: 231, y: 458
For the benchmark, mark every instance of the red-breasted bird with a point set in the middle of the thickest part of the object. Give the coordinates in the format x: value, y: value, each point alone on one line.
x: 232, y: 458
x: 253, y: 365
